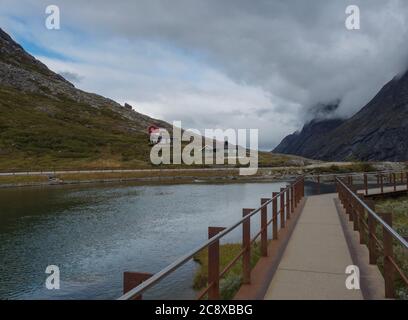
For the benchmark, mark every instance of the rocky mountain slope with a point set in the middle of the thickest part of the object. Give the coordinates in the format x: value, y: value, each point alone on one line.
x: 378, y: 131
x: 309, y: 139
x: 46, y: 122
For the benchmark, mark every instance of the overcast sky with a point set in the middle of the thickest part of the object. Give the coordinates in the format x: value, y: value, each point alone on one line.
x: 220, y: 63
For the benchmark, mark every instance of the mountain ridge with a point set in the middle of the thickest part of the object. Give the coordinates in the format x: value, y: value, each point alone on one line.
x: 45, y: 121
x: 377, y: 132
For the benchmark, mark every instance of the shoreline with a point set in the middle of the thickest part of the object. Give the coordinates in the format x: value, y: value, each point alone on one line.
x: 171, y: 180
x: 52, y: 178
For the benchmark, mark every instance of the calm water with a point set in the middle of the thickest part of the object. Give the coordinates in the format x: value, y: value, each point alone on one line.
x: 94, y: 233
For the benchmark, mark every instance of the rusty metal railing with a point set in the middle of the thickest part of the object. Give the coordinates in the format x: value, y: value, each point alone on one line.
x: 289, y: 198
x: 365, y: 221
x: 370, y: 182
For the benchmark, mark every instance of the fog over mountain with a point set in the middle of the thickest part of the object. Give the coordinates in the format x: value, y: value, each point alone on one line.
x: 376, y: 133
x: 232, y: 63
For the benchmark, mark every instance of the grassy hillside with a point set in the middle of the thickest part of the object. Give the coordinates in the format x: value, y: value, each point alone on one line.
x: 40, y: 132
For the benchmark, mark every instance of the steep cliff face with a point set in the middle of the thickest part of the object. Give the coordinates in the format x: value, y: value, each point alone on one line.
x: 378, y: 131
x: 46, y: 120
x: 308, y: 141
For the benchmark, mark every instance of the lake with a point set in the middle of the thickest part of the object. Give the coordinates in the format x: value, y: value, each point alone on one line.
x: 95, y: 233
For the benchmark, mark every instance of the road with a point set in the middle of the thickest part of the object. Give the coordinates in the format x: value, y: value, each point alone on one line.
x: 54, y: 172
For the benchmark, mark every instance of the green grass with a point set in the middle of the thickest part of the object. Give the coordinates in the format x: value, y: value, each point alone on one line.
x: 38, y: 132
x: 230, y: 284
x: 346, y: 168
x: 22, y: 179
x: 399, y: 209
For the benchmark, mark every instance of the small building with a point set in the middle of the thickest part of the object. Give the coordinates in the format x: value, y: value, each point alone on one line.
x: 156, y: 135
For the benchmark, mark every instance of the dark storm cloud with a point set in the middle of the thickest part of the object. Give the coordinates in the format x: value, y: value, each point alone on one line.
x: 298, y: 50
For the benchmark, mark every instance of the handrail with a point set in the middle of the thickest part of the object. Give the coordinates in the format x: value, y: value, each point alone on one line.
x: 138, y: 290
x: 365, y: 221
x: 392, y: 232
x: 354, y: 174
x: 154, y: 279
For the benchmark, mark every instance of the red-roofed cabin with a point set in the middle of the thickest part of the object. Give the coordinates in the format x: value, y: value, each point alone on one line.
x: 155, y: 134
x: 152, y: 129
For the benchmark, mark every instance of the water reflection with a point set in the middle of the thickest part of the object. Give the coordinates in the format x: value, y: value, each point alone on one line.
x: 95, y: 233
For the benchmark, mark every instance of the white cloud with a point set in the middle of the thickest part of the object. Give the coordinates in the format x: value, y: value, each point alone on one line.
x: 239, y: 63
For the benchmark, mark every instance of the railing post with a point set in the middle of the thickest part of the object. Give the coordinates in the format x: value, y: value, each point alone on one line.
x: 388, y: 254
x: 360, y: 218
x: 394, y: 181
x: 132, y: 280
x: 246, y: 245
x: 338, y: 191
x: 275, y: 216
x: 264, y: 228
x: 299, y: 191
x: 355, y: 214
x: 382, y: 183
x: 214, y: 264
x: 372, y: 247
x: 349, y: 209
x: 344, y: 197
x: 295, y: 189
x: 282, y: 208
x: 296, y: 194
x: 366, y: 184
x: 287, y: 202
x: 406, y: 174
x: 402, y: 177
x: 292, y: 193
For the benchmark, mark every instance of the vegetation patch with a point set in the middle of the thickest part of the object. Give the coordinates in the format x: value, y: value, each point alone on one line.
x: 24, y: 179
x: 346, y: 168
x: 231, y: 282
x: 398, y: 207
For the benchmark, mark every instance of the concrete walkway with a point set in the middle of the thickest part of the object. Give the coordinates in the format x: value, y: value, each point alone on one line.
x: 314, y: 262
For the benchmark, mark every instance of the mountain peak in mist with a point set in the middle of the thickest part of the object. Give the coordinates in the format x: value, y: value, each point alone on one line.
x: 377, y: 132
